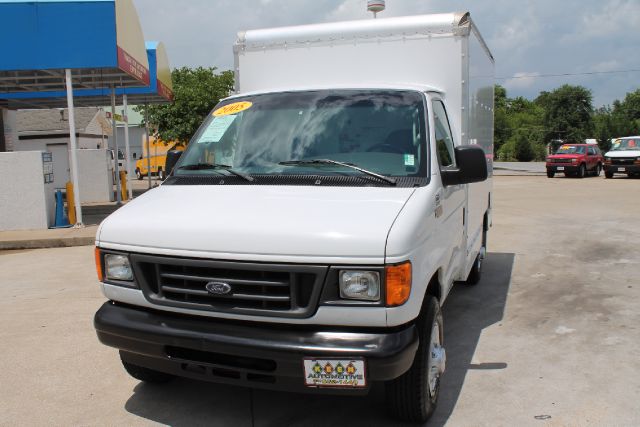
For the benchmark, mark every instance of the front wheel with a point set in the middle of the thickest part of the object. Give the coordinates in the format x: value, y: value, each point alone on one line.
x: 608, y: 174
x: 550, y: 174
x: 582, y: 171
x: 413, y: 396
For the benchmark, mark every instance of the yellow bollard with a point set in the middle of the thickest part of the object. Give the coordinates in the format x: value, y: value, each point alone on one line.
x: 71, y: 204
x: 123, y: 185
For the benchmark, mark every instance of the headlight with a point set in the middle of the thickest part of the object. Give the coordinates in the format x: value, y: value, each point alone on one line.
x: 574, y: 160
x: 361, y: 285
x: 117, y: 267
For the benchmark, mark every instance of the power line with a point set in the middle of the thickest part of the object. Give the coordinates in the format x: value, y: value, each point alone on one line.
x: 534, y: 76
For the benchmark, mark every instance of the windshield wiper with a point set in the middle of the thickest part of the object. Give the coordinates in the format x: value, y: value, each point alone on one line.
x: 201, y: 166
x: 335, y: 162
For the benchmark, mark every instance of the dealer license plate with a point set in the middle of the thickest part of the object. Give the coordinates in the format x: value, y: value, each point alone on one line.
x: 621, y: 169
x: 344, y: 373
x: 560, y: 168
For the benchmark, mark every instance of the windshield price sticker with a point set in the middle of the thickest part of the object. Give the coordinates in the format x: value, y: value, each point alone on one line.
x: 345, y: 373
x: 216, y: 129
x: 233, y: 108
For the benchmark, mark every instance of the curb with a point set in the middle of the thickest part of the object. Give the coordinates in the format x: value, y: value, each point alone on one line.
x: 47, y: 243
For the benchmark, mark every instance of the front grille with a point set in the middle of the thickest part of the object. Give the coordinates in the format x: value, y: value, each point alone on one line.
x: 622, y: 160
x: 560, y: 160
x: 248, y: 288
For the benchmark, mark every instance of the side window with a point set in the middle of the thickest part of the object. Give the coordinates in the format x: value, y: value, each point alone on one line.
x: 444, y: 141
x: 592, y: 152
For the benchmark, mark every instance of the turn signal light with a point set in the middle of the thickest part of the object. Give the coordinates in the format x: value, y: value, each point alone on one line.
x: 98, y: 263
x: 398, y: 284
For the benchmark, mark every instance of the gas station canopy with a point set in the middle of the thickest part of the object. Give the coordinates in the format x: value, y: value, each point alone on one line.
x: 100, y: 41
x: 159, y: 90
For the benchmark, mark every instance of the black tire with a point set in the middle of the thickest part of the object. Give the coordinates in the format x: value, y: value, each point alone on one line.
x: 550, y: 174
x: 145, y: 374
x: 629, y: 175
x: 161, y: 175
x: 138, y: 174
x: 608, y: 174
x: 582, y: 171
x: 410, y: 397
x: 598, y: 169
x: 567, y: 174
x: 476, y: 271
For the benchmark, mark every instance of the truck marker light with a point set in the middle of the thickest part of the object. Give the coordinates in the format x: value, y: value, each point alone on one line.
x: 398, y: 283
x: 98, y: 264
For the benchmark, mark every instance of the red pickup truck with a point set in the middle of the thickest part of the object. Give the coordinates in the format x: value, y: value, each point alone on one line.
x: 575, y: 159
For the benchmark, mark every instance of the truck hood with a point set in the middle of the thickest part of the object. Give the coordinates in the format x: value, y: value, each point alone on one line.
x: 259, y: 220
x: 623, y: 153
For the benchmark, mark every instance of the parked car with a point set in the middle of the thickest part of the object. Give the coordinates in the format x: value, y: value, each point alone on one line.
x: 575, y: 159
x: 624, y: 157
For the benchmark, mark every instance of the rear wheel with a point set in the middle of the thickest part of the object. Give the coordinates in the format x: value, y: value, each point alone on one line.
x: 608, y: 174
x: 413, y: 396
x: 598, y: 169
x: 550, y: 174
x: 145, y: 374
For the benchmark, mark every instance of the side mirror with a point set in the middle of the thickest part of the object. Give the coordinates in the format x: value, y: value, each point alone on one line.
x: 471, y: 166
x: 172, y: 158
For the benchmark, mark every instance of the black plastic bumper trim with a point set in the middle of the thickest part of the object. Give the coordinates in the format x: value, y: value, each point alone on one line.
x: 150, y: 339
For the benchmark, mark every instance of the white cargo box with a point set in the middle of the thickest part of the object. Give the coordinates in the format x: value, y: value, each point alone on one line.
x: 443, y: 52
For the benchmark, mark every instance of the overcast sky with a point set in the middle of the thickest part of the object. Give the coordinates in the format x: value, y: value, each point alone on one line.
x: 526, y: 37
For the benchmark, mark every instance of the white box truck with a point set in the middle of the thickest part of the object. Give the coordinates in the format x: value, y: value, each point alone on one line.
x: 310, y: 233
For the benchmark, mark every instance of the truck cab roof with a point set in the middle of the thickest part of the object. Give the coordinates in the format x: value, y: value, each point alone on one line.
x: 381, y: 86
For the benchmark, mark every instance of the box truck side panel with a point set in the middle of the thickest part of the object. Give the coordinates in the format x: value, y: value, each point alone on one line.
x: 479, y: 131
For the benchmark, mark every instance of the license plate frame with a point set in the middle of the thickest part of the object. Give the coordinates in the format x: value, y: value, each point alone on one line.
x: 331, y: 378
x: 622, y: 169
x: 560, y: 168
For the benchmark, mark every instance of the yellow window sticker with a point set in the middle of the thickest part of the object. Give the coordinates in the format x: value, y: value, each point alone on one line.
x: 233, y: 108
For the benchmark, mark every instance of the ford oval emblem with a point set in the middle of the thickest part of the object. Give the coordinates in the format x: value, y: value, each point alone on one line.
x: 218, y: 288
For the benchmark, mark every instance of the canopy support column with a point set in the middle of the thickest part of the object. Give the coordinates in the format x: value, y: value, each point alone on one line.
x: 73, y: 148
x: 115, y: 144
x: 146, y: 127
x: 127, y: 153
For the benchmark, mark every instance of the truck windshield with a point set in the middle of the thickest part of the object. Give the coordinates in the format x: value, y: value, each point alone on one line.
x: 382, y: 131
x: 571, y: 149
x: 625, y: 145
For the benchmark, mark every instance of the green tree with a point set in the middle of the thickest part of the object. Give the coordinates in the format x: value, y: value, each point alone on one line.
x: 196, y: 92
x: 501, y: 128
x: 626, y: 114
x: 567, y: 113
x: 524, y: 150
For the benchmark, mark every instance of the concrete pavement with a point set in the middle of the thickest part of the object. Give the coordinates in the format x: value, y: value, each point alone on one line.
x: 549, y: 337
